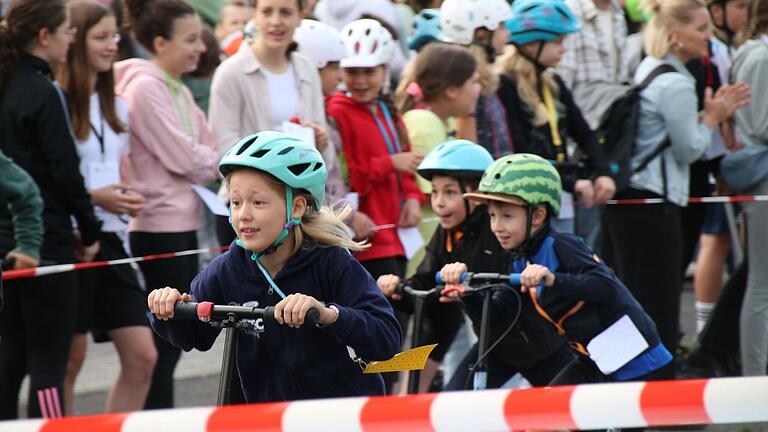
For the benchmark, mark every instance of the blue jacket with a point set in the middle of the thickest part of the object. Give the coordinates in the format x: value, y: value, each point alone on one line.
x: 580, y: 275
x: 282, y: 363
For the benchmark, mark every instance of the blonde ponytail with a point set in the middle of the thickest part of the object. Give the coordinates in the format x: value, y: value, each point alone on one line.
x: 326, y: 227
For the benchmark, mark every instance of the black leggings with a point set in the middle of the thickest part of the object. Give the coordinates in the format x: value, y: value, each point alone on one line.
x: 36, y: 327
x: 174, y: 272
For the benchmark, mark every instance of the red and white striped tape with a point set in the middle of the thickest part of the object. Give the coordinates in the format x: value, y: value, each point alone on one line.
x: 61, y: 268
x: 693, y: 200
x: 594, y: 406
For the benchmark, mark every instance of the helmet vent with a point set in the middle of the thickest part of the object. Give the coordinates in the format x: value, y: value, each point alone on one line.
x: 299, y: 169
x: 260, y: 153
x: 497, y: 176
x: 286, y: 150
x: 245, y: 146
x: 317, y: 166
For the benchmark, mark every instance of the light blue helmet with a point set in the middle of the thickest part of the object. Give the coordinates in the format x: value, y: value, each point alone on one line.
x: 540, y: 20
x: 426, y: 29
x: 290, y: 160
x: 459, y: 158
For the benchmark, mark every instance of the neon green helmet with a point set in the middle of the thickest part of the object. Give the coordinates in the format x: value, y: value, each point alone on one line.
x: 290, y: 160
x: 527, y: 177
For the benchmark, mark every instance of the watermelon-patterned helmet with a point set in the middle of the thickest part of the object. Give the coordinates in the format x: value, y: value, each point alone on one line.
x: 527, y: 177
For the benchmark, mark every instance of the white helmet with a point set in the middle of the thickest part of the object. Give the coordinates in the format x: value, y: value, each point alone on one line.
x: 460, y: 18
x: 368, y: 44
x: 494, y: 12
x: 320, y: 42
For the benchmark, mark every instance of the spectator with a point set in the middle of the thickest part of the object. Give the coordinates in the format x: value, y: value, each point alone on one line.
x: 171, y: 147
x: 479, y: 25
x: 21, y: 219
x: 751, y: 66
x: 110, y: 300
x: 39, y: 316
x: 670, y: 137
x: 540, y: 109
x: 265, y: 84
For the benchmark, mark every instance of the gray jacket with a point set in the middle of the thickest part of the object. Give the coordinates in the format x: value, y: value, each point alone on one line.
x: 751, y: 66
x: 668, y: 109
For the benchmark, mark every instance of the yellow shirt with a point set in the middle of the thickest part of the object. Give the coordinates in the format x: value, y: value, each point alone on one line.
x: 425, y: 132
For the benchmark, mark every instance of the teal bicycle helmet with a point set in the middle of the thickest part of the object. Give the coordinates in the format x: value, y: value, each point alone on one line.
x: 540, y: 20
x: 426, y: 29
x: 290, y: 160
x: 459, y: 158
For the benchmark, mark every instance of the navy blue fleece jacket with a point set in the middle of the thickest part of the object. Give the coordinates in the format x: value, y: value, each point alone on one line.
x: 282, y: 363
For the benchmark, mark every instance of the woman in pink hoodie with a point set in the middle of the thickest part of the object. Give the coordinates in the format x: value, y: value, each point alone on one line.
x: 171, y: 148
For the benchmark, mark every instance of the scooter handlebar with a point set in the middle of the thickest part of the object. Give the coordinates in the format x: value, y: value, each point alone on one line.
x: 207, y: 311
x: 510, y: 278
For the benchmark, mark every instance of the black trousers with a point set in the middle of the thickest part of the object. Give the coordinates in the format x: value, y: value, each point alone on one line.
x: 644, y: 246
x: 36, y: 328
x: 380, y: 267
x: 174, y: 272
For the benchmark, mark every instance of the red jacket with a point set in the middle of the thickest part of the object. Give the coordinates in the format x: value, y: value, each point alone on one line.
x: 372, y: 174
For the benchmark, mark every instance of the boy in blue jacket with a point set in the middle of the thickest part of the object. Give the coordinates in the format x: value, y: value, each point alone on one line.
x: 531, y: 346
x: 570, y: 286
x: 291, y: 253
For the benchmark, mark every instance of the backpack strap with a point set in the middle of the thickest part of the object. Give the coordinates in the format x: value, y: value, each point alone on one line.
x: 658, y: 70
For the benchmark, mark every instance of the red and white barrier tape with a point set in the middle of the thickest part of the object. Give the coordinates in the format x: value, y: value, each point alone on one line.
x: 61, y: 268
x: 694, y: 200
x: 593, y: 406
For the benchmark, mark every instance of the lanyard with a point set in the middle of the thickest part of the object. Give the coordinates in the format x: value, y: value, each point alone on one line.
x: 99, y: 136
x: 549, y: 104
x: 394, y: 147
x: 184, y: 116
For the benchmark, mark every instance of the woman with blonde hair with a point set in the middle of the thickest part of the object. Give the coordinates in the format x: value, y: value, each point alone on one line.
x: 671, y: 135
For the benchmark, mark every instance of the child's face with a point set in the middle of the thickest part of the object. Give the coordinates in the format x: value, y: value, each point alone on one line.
x: 464, y: 98
x: 258, y: 209
x: 550, y: 55
x: 447, y: 202
x: 330, y: 77
x: 508, y: 223
x: 232, y: 18
x: 364, y: 83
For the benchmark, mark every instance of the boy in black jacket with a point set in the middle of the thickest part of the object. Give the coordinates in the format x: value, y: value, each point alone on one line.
x: 569, y: 285
x: 455, y: 167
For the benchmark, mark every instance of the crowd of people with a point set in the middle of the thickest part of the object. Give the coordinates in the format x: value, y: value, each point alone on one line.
x: 327, y: 128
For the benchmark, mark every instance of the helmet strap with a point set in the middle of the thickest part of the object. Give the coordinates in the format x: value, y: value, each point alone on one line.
x: 490, y: 53
x: 535, y: 60
x: 522, y: 250
x: 290, y: 223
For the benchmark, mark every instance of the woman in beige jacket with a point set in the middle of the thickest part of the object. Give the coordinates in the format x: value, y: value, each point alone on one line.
x: 265, y: 84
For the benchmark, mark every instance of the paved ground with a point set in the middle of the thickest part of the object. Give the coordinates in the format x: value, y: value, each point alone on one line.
x: 197, y: 376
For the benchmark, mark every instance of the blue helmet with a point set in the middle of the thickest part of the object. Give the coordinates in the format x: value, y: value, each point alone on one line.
x: 540, y: 20
x: 426, y: 29
x: 459, y: 158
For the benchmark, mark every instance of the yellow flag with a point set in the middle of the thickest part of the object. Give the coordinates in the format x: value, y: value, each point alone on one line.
x: 413, y: 359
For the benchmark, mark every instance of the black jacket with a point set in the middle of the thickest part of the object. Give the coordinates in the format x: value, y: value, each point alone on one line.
x: 35, y: 133
x: 538, y: 140
x: 532, y: 338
